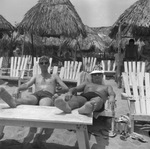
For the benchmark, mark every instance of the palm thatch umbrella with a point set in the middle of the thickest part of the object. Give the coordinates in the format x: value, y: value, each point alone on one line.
x: 92, y: 39
x: 135, y: 21
x: 5, y: 25
x: 53, y: 18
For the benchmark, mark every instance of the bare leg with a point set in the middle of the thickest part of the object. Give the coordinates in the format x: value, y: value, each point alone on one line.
x: 28, y: 100
x: 86, y: 109
x: 62, y: 104
x: 5, y: 96
x: 73, y: 103
x: 94, y: 104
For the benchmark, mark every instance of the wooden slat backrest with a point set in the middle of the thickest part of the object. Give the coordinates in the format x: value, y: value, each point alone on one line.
x: 71, y: 70
x: 133, y: 66
x: 55, y: 70
x: 138, y: 67
x: 125, y: 77
x: 24, y: 66
x: 130, y: 66
x: 126, y: 81
x: 61, y: 74
x: 1, y: 61
x: 141, y: 88
x: 126, y: 67
x: 134, y: 87
x: 17, y: 67
x: 108, y: 65
x: 50, y: 64
x: 143, y: 67
x: 74, y: 70
x: 147, y: 92
x: 89, y: 63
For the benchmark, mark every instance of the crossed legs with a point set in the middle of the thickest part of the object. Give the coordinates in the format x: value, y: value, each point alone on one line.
x: 85, y: 107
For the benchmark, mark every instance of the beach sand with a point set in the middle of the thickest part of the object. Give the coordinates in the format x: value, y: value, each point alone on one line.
x: 66, y: 139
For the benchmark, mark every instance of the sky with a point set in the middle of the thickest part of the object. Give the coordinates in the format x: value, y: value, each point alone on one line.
x: 94, y: 13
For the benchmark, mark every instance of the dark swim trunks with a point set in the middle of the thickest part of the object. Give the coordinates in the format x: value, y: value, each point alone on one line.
x: 91, y: 95
x: 41, y: 94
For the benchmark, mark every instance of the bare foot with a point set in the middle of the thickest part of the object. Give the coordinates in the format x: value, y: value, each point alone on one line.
x: 5, y: 96
x: 63, y: 105
x: 86, y: 109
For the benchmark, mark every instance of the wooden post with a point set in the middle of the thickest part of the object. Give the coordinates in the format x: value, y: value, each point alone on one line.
x: 32, y: 50
x: 118, y: 71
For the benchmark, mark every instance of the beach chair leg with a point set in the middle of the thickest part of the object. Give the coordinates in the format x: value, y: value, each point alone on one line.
x: 82, y: 137
x: 132, y: 124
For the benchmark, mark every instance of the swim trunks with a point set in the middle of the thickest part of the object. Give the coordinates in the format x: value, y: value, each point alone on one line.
x: 90, y: 95
x: 41, y: 94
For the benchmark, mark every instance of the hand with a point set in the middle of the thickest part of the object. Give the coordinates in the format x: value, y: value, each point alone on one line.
x: 68, y: 96
x: 55, y: 96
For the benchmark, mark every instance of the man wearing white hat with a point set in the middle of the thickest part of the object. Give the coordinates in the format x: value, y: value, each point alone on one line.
x: 93, y: 97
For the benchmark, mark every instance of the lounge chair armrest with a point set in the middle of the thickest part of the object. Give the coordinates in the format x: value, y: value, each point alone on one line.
x: 125, y: 96
x: 25, y: 69
x: 4, y: 68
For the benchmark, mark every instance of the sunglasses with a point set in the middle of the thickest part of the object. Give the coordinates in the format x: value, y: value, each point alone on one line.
x: 44, y: 63
x: 97, y: 74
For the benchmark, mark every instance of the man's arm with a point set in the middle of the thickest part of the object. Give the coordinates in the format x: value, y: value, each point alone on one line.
x: 27, y: 84
x: 74, y: 90
x: 112, y: 96
x: 63, y: 86
x: 78, y: 88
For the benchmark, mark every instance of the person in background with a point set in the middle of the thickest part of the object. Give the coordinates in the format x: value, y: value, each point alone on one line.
x: 119, y: 59
x: 131, y: 51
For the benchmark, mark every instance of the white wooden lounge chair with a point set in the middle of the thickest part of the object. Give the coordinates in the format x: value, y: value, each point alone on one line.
x: 133, y: 66
x: 137, y: 94
x: 70, y: 71
x: 89, y: 63
x: 17, y: 69
x: 84, y: 76
x: 108, y: 67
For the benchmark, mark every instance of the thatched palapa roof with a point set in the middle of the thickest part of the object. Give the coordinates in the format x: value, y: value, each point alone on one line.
x: 135, y: 21
x: 53, y: 18
x: 92, y: 39
x: 5, y: 25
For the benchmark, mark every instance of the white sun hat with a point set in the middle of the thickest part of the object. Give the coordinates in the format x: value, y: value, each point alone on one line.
x: 97, y: 71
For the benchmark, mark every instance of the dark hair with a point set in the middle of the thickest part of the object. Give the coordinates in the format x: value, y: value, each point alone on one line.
x: 44, y: 58
x: 131, y: 40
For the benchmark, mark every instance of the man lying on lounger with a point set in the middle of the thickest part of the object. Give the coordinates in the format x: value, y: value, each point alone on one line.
x: 45, y: 88
x: 93, y: 97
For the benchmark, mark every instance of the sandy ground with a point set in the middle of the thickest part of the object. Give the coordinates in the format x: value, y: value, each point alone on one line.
x: 66, y: 139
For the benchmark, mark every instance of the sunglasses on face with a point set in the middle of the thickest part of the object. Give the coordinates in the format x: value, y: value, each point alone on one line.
x: 97, y: 74
x: 44, y: 63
